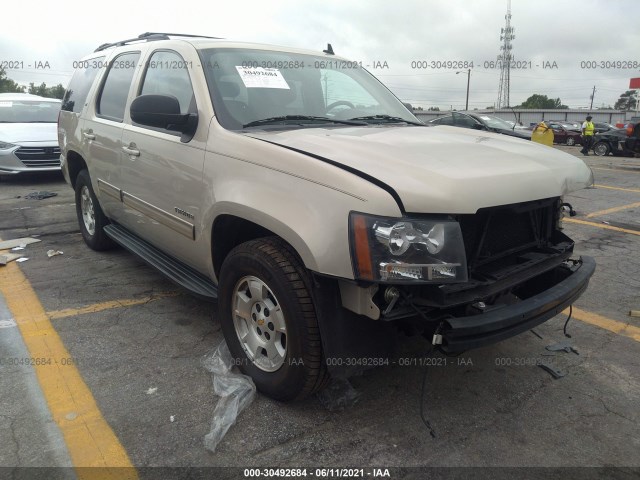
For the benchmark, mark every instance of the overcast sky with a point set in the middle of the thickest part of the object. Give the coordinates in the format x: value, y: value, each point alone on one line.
x: 398, y: 32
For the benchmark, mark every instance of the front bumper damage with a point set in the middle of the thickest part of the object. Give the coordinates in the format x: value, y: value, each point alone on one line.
x: 473, y: 331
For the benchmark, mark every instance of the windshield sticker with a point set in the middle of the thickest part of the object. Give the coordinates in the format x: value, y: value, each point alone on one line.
x: 6, y: 104
x: 485, y: 118
x: 262, y: 77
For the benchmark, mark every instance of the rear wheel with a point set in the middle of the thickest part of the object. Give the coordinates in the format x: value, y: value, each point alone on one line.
x: 571, y: 141
x: 601, y: 149
x: 269, y: 319
x: 91, y: 218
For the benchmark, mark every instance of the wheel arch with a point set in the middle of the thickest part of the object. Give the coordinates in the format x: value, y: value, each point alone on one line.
x: 232, y: 228
x: 75, y: 164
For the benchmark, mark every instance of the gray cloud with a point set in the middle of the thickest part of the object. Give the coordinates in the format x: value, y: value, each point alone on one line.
x: 566, y: 32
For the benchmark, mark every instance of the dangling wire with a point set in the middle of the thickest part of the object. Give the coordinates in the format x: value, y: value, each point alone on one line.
x: 425, y: 420
x: 565, y: 323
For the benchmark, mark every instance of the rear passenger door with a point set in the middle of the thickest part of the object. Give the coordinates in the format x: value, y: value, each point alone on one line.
x: 102, y: 131
x: 161, y: 170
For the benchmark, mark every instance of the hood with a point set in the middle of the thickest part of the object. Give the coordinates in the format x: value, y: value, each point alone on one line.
x: 29, y: 132
x: 443, y: 169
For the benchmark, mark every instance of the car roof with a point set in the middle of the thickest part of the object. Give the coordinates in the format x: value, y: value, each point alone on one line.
x: 200, y: 43
x: 27, y: 97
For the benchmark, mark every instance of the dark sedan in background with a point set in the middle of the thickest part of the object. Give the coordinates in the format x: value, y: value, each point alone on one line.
x: 561, y: 134
x: 480, y: 121
x: 611, y: 141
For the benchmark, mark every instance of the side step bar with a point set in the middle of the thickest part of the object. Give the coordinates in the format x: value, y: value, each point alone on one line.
x: 173, y: 269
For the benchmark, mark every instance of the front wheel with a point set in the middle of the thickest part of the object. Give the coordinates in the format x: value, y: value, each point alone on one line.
x: 601, y: 149
x: 91, y: 218
x: 269, y: 320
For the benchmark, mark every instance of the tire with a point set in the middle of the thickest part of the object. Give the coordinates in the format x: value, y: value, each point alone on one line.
x: 276, y: 339
x: 91, y: 218
x: 601, y: 149
x: 571, y: 141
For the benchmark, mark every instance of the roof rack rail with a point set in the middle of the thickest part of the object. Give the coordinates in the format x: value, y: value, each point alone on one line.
x: 149, y: 37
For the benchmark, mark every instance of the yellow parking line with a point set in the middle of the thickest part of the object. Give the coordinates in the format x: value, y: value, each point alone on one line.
x: 98, y: 307
x: 601, y: 225
x: 618, y: 188
x: 616, y: 169
x: 606, y: 323
x: 612, y: 210
x: 89, y: 438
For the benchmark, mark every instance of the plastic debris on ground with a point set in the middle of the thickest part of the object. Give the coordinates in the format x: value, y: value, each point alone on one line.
x: 555, y: 373
x: 19, y: 247
x: 338, y: 395
x: 40, y: 195
x: 8, y: 257
x: 17, y: 242
x: 53, y: 253
x: 563, y: 346
x: 22, y: 259
x: 172, y: 418
x: 152, y: 390
x: 236, y: 392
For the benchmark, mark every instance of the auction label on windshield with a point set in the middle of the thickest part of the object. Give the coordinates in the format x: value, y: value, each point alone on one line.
x: 6, y: 104
x: 258, y: 77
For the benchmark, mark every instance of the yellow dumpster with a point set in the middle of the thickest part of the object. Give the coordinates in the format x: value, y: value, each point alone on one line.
x: 542, y: 134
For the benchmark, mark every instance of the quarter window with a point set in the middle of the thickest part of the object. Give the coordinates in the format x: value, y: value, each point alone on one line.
x: 80, y: 84
x: 113, y: 98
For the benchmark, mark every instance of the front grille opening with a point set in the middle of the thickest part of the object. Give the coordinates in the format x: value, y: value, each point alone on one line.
x: 35, y: 157
x: 500, y: 237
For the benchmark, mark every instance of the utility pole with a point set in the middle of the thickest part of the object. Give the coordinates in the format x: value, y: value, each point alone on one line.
x: 593, y: 94
x: 466, y: 107
x: 504, y: 59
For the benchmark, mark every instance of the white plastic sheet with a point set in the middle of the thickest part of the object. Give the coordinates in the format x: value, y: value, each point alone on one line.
x: 236, y: 392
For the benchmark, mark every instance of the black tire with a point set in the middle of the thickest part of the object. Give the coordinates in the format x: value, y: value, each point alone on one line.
x: 601, y: 149
x: 571, y: 141
x: 95, y: 239
x: 274, y: 263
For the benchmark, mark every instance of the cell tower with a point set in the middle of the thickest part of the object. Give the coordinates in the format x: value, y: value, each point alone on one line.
x: 505, y: 58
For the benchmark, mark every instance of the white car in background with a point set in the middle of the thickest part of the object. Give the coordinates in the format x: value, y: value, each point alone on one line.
x: 28, y: 133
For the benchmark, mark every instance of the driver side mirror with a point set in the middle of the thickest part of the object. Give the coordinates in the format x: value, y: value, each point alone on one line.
x: 162, y: 111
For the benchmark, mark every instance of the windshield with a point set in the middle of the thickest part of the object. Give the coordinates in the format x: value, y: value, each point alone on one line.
x: 28, y: 111
x: 495, y: 122
x: 257, y: 88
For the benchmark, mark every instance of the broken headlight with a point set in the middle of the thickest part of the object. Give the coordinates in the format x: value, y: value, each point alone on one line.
x: 406, y: 250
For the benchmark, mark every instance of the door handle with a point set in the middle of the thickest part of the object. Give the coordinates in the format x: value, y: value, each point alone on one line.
x: 131, y: 151
x: 88, y: 135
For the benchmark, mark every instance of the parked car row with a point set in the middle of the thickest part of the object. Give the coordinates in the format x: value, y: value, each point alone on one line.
x: 609, y: 139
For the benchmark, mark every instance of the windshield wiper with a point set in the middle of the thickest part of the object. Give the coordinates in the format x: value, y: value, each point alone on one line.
x: 301, y: 118
x: 386, y: 118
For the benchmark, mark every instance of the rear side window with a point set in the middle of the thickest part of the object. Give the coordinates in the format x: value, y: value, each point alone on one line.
x: 113, y: 98
x: 167, y: 74
x: 80, y: 84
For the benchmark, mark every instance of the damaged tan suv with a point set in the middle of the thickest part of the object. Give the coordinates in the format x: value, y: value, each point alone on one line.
x: 295, y: 189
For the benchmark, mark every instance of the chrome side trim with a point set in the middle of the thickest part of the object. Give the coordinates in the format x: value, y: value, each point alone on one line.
x: 175, y: 223
x: 109, y: 189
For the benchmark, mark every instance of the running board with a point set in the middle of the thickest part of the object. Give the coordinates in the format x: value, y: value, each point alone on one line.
x: 173, y: 269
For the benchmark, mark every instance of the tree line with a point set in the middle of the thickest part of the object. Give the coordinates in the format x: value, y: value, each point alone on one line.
x: 7, y: 85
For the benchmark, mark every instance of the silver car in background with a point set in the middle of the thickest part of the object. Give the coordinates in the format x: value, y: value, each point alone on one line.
x: 28, y: 133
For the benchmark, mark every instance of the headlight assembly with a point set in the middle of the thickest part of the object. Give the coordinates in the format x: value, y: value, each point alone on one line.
x: 404, y: 250
x: 6, y: 146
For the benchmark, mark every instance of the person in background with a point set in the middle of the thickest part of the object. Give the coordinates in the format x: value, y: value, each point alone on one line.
x: 588, y: 129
